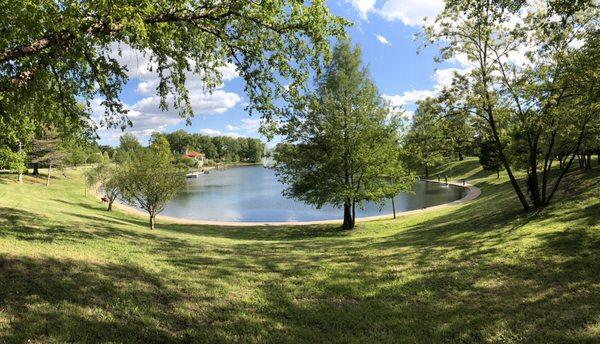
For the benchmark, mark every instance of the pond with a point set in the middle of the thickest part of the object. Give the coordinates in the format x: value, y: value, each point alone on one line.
x: 253, y: 194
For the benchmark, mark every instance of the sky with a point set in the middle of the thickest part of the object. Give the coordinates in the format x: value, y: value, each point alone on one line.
x: 385, y: 31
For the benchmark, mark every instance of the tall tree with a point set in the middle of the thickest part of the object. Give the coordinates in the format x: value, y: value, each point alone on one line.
x: 344, y: 148
x: 520, y: 78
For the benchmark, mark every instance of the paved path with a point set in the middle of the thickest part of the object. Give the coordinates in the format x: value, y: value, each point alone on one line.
x: 473, y: 193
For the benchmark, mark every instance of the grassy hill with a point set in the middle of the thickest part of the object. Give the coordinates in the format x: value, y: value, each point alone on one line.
x: 477, y: 272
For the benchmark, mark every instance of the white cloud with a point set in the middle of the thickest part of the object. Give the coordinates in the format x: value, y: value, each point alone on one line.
x: 383, y: 40
x: 363, y: 6
x: 214, y: 103
x: 408, y: 97
x: 210, y: 132
x: 232, y: 127
x: 441, y: 77
x: 250, y: 124
x: 140, y: 67
x: 146, y: 114
x: 213, y: 132
x: 409, y: 12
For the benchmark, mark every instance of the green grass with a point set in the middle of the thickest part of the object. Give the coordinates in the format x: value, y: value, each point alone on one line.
x: 477, y: 272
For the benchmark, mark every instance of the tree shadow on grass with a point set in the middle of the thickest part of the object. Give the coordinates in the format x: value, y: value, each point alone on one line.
x: 28, y: 226
x: 261, y: 233
x: 450, y: 301
x: 407, y: 292
x: 50, y: 300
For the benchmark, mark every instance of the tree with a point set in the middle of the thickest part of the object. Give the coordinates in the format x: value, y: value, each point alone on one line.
x: 105, y: 157
x: 129, y: 143
x: 150, y: 180
x: 425, y: 143
x: 13, y: 161
x: 120, y: 156
x: 110, y: 177
x: 344, y: 149
x: 79, y: 149
x: 254, y: 150
x: 205, y: 145
x: 61, y: 54
x: 15, y: 134
x: 49, y: 152
x: 180, y: 141
x: 527, y: 106
x: 488, y: 158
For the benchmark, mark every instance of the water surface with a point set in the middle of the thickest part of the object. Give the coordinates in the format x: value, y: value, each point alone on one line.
x: 253, y: 194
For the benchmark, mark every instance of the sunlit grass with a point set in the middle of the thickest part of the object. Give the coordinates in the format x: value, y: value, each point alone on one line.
x: 478, y: 272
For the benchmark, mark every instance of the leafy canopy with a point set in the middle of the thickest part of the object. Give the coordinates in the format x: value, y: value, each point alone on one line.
x: 55, y: 54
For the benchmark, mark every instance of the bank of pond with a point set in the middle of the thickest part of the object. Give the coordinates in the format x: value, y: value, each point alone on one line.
x: 253, y: 194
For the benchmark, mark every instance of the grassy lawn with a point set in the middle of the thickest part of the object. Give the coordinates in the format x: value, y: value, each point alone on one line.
x: 478, y: 272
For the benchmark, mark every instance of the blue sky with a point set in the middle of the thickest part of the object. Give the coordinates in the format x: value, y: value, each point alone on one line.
x: 385, y: 31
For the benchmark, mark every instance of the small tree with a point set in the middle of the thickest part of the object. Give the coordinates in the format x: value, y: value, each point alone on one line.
x: 13, y: 161
x: 111, y: 179
x: 150, y: 180
x: 113, y: 186
x: 49, y: 153
x: 488, y: 158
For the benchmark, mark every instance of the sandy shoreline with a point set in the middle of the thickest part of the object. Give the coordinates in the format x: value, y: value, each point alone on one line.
x: 473, y: 193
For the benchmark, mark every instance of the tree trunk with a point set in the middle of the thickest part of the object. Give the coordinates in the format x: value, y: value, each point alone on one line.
x: 20, y: 171
x: 533, y: 183
x: 460, y: 156
x: 426, y: 171
x: 48, y: 179
x: 353, y: 213
x: 506, y: 165
x: 152, y: 221
x: 588, y: 165
x: 498, y: 174
x: 515, y: 185
x: 36, y: 169
x: 110, y: 203
x: 394, y: 206
x: 568, y: 166
x: 347, y: 216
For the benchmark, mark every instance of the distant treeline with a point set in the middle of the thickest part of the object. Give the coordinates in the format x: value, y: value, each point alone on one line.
x: 216, y: 148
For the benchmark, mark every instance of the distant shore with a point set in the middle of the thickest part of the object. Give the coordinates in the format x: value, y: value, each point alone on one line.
x: 225, y: 165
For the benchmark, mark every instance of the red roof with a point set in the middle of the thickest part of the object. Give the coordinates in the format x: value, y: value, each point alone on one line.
x: 193, y: 154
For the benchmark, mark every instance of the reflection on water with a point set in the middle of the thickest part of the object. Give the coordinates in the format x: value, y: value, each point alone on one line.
x: 253, y: 194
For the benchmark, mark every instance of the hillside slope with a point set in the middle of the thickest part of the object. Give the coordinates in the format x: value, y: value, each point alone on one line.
x: 477, y: 272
